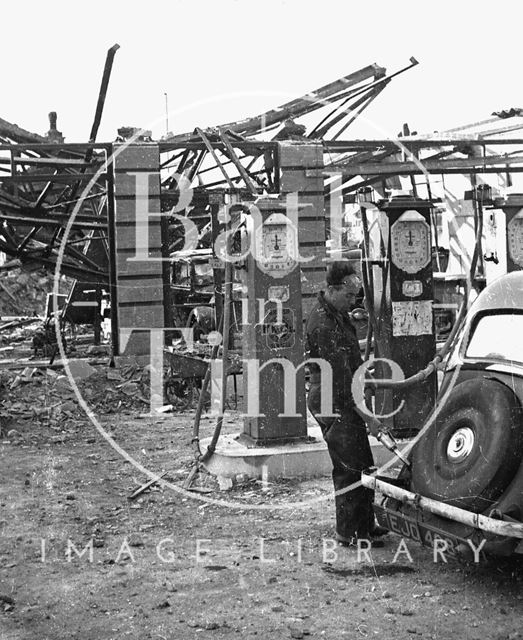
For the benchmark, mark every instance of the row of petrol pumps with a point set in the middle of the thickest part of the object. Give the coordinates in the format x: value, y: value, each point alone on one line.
x: 263, y: 248
x: 267, y: 245
x: 450, y: 493
x: 397, y: 267
x: 397, y: 271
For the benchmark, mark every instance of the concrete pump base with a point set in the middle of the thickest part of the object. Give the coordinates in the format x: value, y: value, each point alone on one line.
x: 310, y: 459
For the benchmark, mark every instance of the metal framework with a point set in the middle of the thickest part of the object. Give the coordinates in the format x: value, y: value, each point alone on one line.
x: 42, y: 179
x: 40, y: 185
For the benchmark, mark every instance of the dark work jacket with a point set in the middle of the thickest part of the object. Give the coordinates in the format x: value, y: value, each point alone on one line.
x: 332, y: 336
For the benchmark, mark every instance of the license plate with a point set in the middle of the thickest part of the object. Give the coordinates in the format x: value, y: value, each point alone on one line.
x: 426, y: 535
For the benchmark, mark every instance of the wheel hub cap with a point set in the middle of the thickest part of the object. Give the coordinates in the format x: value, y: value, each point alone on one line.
x: 461, y: 444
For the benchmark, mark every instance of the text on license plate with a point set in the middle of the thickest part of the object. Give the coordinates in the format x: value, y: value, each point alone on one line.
x: 417, y: 531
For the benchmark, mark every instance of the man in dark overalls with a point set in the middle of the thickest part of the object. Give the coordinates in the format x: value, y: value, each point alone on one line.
x: 332, y: 337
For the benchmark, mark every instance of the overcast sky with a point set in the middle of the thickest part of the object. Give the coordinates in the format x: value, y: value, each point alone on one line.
x: 236, y: 58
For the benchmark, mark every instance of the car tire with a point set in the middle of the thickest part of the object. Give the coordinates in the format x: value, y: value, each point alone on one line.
x: 470, y: 454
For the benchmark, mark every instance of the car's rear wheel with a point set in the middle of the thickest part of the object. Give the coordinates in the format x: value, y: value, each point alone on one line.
x: 469, y: 456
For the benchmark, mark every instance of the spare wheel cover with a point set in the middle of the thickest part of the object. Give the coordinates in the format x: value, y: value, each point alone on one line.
x: 470, y: 454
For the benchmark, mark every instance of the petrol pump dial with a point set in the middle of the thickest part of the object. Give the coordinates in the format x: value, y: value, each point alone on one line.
x: 515, y: 238
x: 277, y: 246
x: 410, y: 238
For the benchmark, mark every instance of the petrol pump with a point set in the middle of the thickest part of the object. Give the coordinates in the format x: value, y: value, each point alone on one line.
x: 512, y: 206
x: 403, y: 294
x: 272, y: 331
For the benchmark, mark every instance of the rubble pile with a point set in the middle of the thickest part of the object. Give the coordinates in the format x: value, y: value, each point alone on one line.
x: 23, y: 292
x: 26, y: 337
x: 22, y: 331
x: 46, y: 395
x: 113, y: 390
x: 36, y: 390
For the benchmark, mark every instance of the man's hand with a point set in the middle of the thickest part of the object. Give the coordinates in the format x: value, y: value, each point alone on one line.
x: 374, y: 426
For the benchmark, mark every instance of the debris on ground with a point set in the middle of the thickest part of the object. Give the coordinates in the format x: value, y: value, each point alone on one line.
x: 25, y: 293
x: 146, y: 486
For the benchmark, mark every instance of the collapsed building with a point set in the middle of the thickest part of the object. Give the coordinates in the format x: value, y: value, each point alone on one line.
x: 201, y: 254
x: 73, y: 205
x: 51, y: 190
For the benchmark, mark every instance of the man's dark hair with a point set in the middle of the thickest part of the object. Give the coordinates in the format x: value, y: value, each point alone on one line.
x: 338, y: 270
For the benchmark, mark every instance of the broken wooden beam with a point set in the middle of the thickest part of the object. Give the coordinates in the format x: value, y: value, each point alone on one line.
x: 211, y: 150
x: 487, y: 164
x: 16, y: 133
x: 236, y: 161
x: 146, y: 486
x: 299, y: 106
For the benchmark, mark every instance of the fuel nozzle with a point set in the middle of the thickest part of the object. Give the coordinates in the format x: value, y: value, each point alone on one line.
x: 389, y: 443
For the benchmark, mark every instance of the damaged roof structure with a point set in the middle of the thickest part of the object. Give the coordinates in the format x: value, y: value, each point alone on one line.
x: 43, y: 180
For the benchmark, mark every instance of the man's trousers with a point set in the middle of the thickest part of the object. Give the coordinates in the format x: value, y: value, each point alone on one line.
x: 350, y: 452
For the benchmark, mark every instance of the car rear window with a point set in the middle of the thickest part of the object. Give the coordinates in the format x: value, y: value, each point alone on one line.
x: 497, y: 337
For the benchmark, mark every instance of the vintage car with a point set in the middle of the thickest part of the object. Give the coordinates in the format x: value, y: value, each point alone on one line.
x: 192, y: 283
x: 464, y: 481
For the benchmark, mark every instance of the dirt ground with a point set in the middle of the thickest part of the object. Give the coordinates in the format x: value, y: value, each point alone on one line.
x: 173, y: 565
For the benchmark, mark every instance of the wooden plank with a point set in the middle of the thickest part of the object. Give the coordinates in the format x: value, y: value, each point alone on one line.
x: 235, y: 160
x: 435, y: 166
x: 49, y: 162
x: 146, y: 486
x: 307, y: 103
x: 14, y: 132
x: 68, y: 178
x: 211, y: 150
x: 23, y: 219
